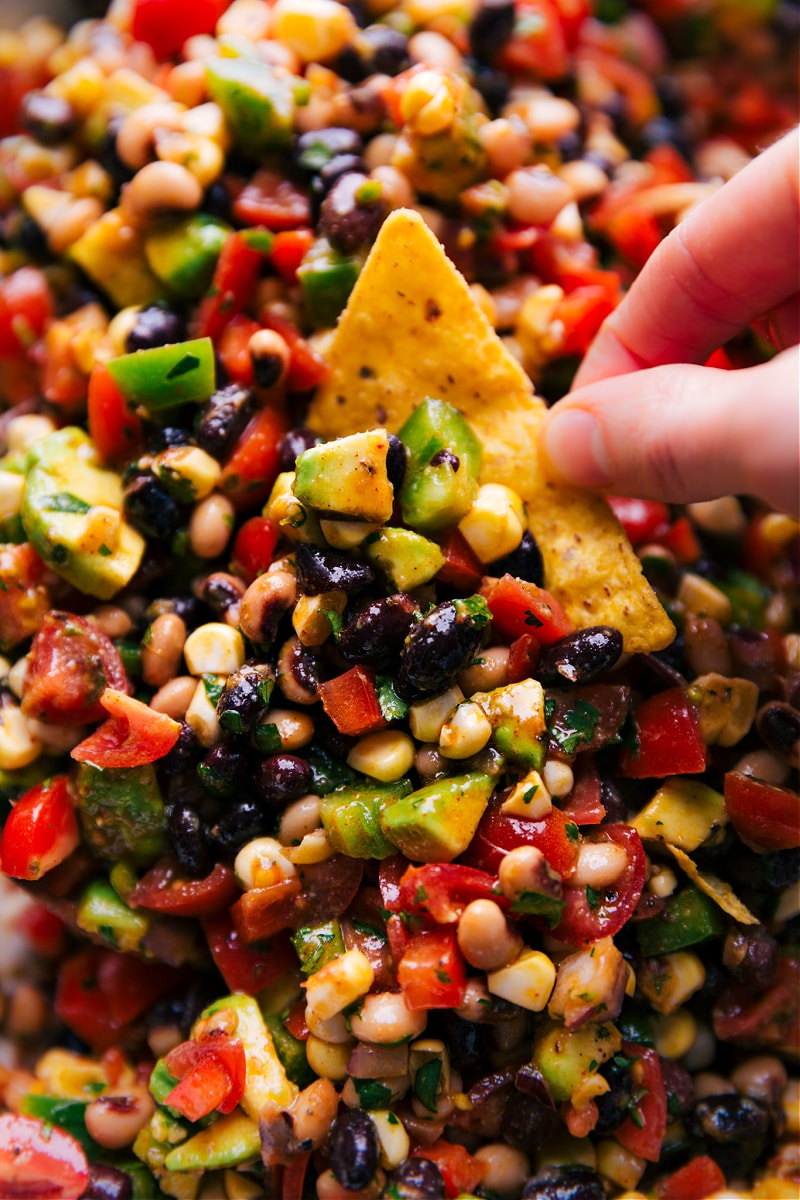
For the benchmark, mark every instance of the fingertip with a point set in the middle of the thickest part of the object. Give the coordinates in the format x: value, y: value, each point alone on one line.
x: 574, y: 448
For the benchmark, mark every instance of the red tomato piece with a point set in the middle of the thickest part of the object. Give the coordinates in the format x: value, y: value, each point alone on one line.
x: 40, y: 831
x: 288, y: 251
x: 272, y: 200
x: 701, y: 1177
x: 306, y: 368
x: 253, y: 547
x: 589, y: 916
x: 681, y: 539
x: 114, y: 429
x: 767, y: 1017
x: 432, y: 973
x: 634, y: 232
x: 538, y: 44
x: 99, y: 992
x: 510, y: 241
x: 442, y: 891
x: 24, y: 597
x: 26, y: 305
x: 581, y: 312
x: 235, y: 276
x: 242, y: 968
x: 390, y: 872
x: 584, y: 804
x: 523, y: 657
x: 462, y: 568
x: 642, y: 520
x: 130, y: 987
x: 133, y: 736
x: 233, y: 348
x: 295, y: 1021
x: 70, y: 667
x: 645, y: 1135
x: 250, y: 471
x: 166, y: 24
x: 518, y: 606
x: 163, y: 890
x: 398, y: 936
x: 351, y: 702
x: 211, y: 1073
x: 42, y: 1160
x: 669, y: 738
x: 46, y: 932
x: 765, y: 816
x: 461, y: 1172
x: 555, y: 835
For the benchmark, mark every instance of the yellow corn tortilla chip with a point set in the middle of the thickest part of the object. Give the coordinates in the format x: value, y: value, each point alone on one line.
x: 717, y: 889
x: 412, y: 329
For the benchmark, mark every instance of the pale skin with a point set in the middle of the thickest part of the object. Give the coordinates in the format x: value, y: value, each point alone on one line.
x: 644, y: 417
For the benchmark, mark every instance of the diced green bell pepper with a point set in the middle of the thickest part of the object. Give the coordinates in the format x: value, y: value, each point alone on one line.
x: 444, y: 459
x: 327, y: 278
x: 102, y: 912
x: 122, y: 812
x: 689, y: 918
x: 351, y: 817
x: 69, y: 1115
x: 257, y: 101
x: 166, y: 376
x: 291, y: 1051
x: 183, y: 253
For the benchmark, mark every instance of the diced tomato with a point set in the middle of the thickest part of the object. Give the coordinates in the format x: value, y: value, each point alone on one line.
x: 581, y: 313
x: 351, y: 702
x: 681, y: 539
x: 538, y: 44
x: 461, y: 1172
x: 720, y: 360
x: 634, y: 232
x: 130, y: 987
x: 701, y: 1177
x: 584, y: 804
x: 592, y: 914
x: 432, y: 972
x: 40, y: 831
x: 26, y: 305
x: 38, y: 1159
x: 442, y: 891
x: 398, y: 935
x: 250, y: 471
x: 99, y: 992
x: 523, y: 657
x: 288, y: 251
x: 510, y: 241
x: 71, y: 664
x: 295, y: 1021
x: 262, y: 912
x: 133, y: 736
x: 212, y: 1074
x: 669, y: 738
x: 253, y: 547
x: 233, y: 348
x: 767, y: 1014
x: 163, y: 889
x: 46, y: 932
x: 765, y: 816
x: 642, y: 520
x: 555, y: 835
x: 234, y: 279
x: 272, y: 200
x: 24, y: 596
x: 462, y: 568
x: 166, y: 24
x: 518, y: 606
x: 242, y: 968
x: 114, y: 429
x: 390, y: 872
x: 306, y: 367
x: 644, y: 1135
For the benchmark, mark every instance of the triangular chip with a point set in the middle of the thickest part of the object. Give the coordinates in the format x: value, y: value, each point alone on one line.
x: 714, y: 887
x: 412, y: 329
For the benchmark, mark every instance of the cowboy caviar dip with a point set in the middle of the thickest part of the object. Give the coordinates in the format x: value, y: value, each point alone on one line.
x: 366, y: 859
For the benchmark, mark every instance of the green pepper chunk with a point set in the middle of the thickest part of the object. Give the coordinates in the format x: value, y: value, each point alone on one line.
x: 689, y: 918
x: 183, y: 253
x: 291, y: 1051
x: 166, y: 376
x: 102, y: 912
x: 327, y: 278
x: 122, y: 812
x: 444, y: 460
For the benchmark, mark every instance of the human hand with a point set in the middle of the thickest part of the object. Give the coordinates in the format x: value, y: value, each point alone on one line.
x: 643, y: 417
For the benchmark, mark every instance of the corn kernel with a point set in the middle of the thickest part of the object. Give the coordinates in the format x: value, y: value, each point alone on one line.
x: 214, y: 649
x: 779, y: 529
x: 345, y: 535
x: 262, y: 863
x: 723, y: 515
x: 188, y: 471
x: 675, y: 1034
x: 465, y: 733
x: 327, y: 1060
x: 663, y: 881
x: 527, y: 982
x: 316, y: 30
x: 529, y: 799
x: 310, y: 618
x: 619, y: 1165
x: 393, y: 1141
x: 387, y: 755
x: 558, y: 777
x: 313, y: 847
x: 82, y: 85
x: 699, y: 596
x: 428, y: 103
x: 201, y: 715
x: 427, y: 718
x: 791, y: 1106
x: 24, y: 432
x: 12, y: 487
x: 589, y: 1088
x: 18, y: 746
x: 339, y: 983
x: 241, y: 1187
x: 669, y: 980
x: 496, y: 522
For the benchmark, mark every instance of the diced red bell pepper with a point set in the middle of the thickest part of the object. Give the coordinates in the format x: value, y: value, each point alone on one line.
x: 555, y: 835
x: 669, y: 165
x: 306, y: 368
x: 588, y: 917
x: 461, y: 1172
x: 164, y: 890
x: 262, y: 912
x: 538, y: 44
x: 234, y: 279
x: 26, y: 305
x: 39, y: 1159
x: 233, y: 348
x: 211, y: 1073
x: 462, y: 568
x: 71, y: 663
x: 252, y: 467
x: 644, y: 1135
x: 288, y: 251
x: 242, y: 968
x: 510, y: 241
x: 272, y: 200
x: 701, y: 1177
x: 432, y: 973
x: 351, y: 702
x: 24, y: 596
x: 681, y: 539
x: 114, y: 429
x: 40, y: 831
x: 253, y: 547
x: 523, y: 657
x: 166, y: 24
x: 581, y: 312
x: 518, y: 606
x: 134, y: 735
x: 642, y: 520
x: 442, y: 891
x: 669, y: 738
x: 765, y: 816
x: 634, y: 232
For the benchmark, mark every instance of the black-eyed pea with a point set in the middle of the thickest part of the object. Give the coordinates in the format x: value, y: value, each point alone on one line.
x: 211, y: 525
x: 485, y: 938
x: 175, y: 696
x: 160, y: 188
x: 115, y: 1121
x: 507, y: 1169
x: 162, y: 649
x: 314, y: 1111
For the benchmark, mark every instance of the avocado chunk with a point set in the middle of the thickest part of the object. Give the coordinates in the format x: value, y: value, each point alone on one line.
x: 266, y: 1077
x: 444, y: 459
x: 351, y: 817
x: 317, y: 945
x: 72, y: 515
x: 437, y: 823
x: 166, y: 376
x: 347, y: 477
x: 258, y: 101
x: 121, y: 812
x: 683, y: 812
x: 183, y: 253
x: 568, y: 1056
x: 407, y: 559
x: 231, y: 1140
x: 102, y: 912
x: 516, y: 713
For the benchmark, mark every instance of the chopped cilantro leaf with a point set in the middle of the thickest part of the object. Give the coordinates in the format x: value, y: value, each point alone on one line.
x: 592, y: 897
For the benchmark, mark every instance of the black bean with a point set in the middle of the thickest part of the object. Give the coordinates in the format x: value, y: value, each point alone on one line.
x: 167, y: 437
x: 494, y: 86
x: 188, y: 840
x: 225, y: 769
x: 220, y: 591
x: 375, y: 636
x: 347, y: 222
x: 155, y: 325
x: 780, y: 868
x: 750, y: 953
x: 733, y: 1128
x: 466, y: 1041
x: 298, y: 671
x: 245, y: 696
x: 679, y: 1087
x: 779, y: 726
x: 33, y: 240
x: 217, y: 202
x: 47, y: 118
x: 353, y: 1149
x: 613, y: 802
x: 238, y: 825
x: 396, y: 462
x: 341, y: 164
x: 322, y: 570
x: 664, y: 131
x: 439, y: 647
x: 316, y: 148
x: 527, y: 1124
x: 573, y: 1182
x: 415, y: 1179
x: 388, y: 50
x: 530, y: 1080
x: 579, y: 656
x: 613, y: 1106
x: 150, y: 508
x: 223, y: 418
x: 186, y: 607
x: 184, y: 754
x: 282, y: 778
x: 108, y: 1183
x: 293, y: 444
x: 523, y: 563
x: 491, y: 28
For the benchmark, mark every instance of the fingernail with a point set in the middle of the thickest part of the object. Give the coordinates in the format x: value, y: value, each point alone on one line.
x: 573, y: 443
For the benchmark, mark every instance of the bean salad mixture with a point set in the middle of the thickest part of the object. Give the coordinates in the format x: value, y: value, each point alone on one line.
x: 356, y: 862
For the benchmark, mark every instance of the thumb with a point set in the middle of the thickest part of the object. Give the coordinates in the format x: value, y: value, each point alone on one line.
x: 681, y: 433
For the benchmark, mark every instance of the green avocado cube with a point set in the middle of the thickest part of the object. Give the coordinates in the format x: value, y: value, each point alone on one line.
x: 231, y: 1140
x: 566, y: 1057
x: 122, y: 812
x: 438, y: 822
x: 347, y: 477
x: 351, y: 817
x: 407, y: 559
x: 258, y: 101
x: 184, y: 253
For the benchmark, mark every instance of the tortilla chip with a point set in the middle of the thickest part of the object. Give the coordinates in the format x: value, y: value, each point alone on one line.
x: 412, y: 329
x: 717, y: 889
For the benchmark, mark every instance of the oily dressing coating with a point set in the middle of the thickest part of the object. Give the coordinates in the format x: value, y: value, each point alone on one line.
x: 412, y: 329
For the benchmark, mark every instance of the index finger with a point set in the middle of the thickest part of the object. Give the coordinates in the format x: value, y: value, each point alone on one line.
x: 733, y: 258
